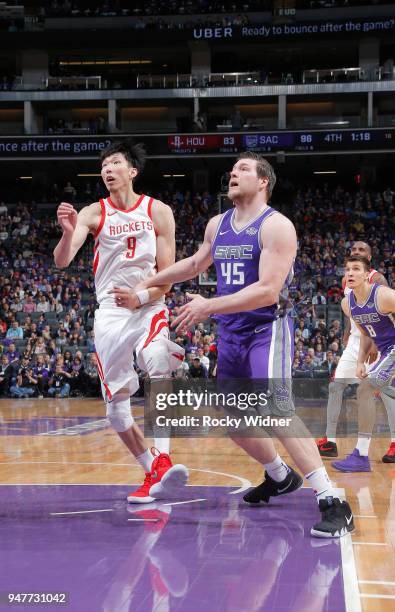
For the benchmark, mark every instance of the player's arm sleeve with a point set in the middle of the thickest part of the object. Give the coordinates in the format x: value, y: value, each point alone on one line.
x: 276, y: 260
x: 69, y: 244
x: 190, y: 267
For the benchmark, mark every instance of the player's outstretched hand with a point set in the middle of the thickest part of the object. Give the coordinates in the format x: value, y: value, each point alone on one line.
x: 361, y: 371
x: 125, y: 297
x: 67, y: 217
x: 195, y: 311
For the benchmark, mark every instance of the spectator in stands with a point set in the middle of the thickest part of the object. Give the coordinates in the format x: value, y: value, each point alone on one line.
x: 77, y: 380
x: 41, y: 372
x: 311, y: 353
x: 55, y: 305
x: 318, y: 298
x: 6, y: 374
x: 14, y: 332
x: 192, y: 346
x: 307, y: 365
x: 90, y: 341
x: 59, y: 384
x: 69, y: 192
x: 40, y: 347
x: 335, y: 294
x: 53, y: 350
x: 67, y: 360
x: 204, y: 360
x: 16, y: 305
x: 25, y: 384
x: 92, y: 379
x: 12, y: 354
x: 43, y: 304
x: 196, y: 369
x: 319, y: 353
x: 335, y: 348
x: 29, y: 305
x: 330, y: 364
x: 61, y: 340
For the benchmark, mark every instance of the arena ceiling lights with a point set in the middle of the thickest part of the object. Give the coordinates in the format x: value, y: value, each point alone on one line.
x: 125, y: 62
x: 325, y: 172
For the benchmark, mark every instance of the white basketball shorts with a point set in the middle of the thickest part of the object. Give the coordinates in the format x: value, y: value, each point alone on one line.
x: 120, y: 333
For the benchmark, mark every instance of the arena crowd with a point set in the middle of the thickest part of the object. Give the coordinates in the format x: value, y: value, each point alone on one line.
x: 47, y: 344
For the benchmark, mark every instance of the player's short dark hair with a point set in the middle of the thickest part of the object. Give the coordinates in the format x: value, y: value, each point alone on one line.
x: 263, y: 169
x: 361, y: 259
x: 133, y: 152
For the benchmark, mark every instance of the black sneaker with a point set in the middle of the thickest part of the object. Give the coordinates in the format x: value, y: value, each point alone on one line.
x: 270, y: 488
x: 337, y: 519
x: 327, y: 449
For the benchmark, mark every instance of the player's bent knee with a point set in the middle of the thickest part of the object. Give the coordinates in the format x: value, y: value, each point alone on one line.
x: 157, y: 364
x: 119, y: 412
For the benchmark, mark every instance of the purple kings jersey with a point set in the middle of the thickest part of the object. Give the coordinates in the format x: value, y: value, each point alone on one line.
x: 236, y: 255
x: 380, y: 327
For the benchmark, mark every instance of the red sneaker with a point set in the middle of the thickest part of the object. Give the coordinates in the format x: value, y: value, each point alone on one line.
x: 327, y: 449
x: 389, y: 456
x: 166, y: 479
x: 141, y: 495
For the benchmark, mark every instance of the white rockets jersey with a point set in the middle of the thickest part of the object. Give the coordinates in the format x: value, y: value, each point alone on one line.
x: 355, y: 334
x: 125, y: 247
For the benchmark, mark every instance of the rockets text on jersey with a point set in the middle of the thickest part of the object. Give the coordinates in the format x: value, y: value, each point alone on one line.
x: 125, y: 247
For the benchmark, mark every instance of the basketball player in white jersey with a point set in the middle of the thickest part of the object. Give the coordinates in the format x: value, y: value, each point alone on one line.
x: 346, y: 374
x: 133, y: 237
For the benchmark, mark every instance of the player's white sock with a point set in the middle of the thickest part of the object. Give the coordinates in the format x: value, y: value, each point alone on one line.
x: 332, y: 440
x: 363, y: 446
x: 145, y: 460
x: 322, y: 486
x: 162, y: 444
x: 277, y: 469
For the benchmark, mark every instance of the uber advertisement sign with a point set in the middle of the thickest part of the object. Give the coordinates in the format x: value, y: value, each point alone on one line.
x: 295, y: 29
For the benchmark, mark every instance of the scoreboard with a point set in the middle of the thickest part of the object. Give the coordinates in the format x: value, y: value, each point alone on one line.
x: 297, y: 142
x: 312, y: 141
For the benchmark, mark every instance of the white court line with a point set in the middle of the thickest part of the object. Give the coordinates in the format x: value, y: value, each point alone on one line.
x: 188, y: 501
x: 383, y: 582
x: 81, y: 512
x: 370, y: 543
x: 374, y: 516
x: 245, y: 483
x: 374, y: 596
x: 350, y: 578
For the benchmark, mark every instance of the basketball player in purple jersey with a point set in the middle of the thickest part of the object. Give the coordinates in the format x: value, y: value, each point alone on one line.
x: 372, y: 308
x: 253, y: 247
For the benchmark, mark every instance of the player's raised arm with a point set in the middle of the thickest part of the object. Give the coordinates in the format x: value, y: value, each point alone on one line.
x: 76, y: 227
x: 191, y: 266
